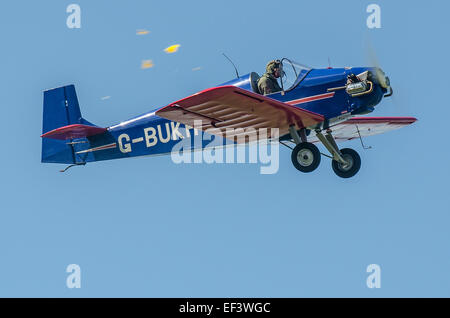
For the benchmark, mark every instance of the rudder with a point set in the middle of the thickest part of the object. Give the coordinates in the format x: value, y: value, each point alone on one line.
x: 61, y: 108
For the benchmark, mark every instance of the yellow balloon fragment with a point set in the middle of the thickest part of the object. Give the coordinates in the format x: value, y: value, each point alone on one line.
x: 172, y: 48
x: 146, y: 64
x: 142, y: 32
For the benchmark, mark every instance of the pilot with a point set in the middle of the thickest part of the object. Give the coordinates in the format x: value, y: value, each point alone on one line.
x: 268, y: 83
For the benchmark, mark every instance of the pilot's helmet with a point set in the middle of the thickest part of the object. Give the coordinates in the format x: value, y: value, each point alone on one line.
x: 272, y: 66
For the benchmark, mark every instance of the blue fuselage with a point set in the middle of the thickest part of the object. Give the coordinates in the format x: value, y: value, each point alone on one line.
x: 150, y: 134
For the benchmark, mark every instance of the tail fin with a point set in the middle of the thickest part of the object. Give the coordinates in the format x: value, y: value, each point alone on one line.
x: 61, y: 109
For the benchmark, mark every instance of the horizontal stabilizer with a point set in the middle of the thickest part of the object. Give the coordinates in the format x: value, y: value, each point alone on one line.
x: 73, y: 132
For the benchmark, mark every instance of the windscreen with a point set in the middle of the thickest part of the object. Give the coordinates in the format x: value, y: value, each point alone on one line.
x: 293, y: 73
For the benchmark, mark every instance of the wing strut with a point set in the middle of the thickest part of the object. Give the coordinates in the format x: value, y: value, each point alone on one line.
x: 362, y: 142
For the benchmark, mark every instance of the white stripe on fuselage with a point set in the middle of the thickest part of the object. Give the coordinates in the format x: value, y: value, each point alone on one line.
x: 104, y: 147
x: 132, y: 120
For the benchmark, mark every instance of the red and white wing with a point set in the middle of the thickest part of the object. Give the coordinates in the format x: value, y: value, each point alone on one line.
x: 228, y: 107
x: 367, y: 126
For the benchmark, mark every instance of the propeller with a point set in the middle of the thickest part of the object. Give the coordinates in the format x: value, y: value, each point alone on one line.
x: 380, y: 76
x: 373, y: 60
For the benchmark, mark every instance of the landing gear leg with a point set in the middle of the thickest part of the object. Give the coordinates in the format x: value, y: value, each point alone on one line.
x: 346, y: 162
x: 305, y: 156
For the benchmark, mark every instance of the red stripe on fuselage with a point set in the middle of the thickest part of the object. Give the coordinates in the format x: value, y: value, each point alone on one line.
x: 310, y: 99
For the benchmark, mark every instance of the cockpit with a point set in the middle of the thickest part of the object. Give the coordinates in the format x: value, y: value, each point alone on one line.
x: 293, y: 73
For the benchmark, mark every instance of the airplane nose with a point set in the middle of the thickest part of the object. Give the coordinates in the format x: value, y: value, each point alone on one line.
x: 390, y: 92
x: 381, y: 79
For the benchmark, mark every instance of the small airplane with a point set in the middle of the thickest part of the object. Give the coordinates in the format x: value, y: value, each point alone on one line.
x: 323, y: 105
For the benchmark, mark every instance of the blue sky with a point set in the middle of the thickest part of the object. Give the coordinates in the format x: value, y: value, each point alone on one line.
x: 146, y: 227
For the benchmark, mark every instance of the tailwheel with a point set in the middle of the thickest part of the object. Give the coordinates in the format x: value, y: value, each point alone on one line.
x: 352, y: 166
x: 305, y: 157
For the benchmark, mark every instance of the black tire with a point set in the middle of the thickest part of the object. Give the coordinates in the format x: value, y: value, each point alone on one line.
x: 355, y: 164
x: 305, y: 157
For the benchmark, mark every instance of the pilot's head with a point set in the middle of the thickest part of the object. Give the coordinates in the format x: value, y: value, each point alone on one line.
x: 275, y: 68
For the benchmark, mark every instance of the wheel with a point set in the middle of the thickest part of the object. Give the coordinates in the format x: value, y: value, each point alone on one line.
x: 353, y: 166
x: 305, y: 157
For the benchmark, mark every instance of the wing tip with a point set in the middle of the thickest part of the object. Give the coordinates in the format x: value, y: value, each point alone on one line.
x: 384, y: 120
